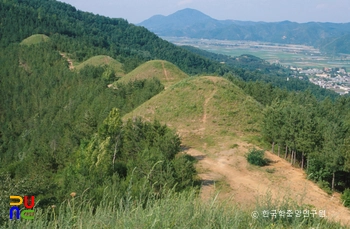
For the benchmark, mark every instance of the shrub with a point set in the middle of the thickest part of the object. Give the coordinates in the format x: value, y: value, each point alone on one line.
x: 256, y: 157
x: 345, y: 197
x: 324, y: 185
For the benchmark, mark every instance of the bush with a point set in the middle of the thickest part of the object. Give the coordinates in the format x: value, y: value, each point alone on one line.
x: 345, y: 197
x: 256, y: 157
x: 324, y: 185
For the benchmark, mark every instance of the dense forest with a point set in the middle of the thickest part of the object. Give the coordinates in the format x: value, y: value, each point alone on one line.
x: 313, y: 135
x: 62, y: 133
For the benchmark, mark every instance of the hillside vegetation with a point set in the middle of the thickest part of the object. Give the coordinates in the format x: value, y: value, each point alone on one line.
x: 336, y: 45
x: 175, y: 210
x: 166, y: 72
x: 84, y: 35
x: 126, y: 156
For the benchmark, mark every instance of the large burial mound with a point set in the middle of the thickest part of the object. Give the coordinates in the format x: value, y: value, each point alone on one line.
x: 166, y: 72
x: 203, y: 110
x: 103, y: 60
x: 35, y: 39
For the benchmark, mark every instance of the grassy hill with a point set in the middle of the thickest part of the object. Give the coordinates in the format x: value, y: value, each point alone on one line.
x: 35, y: 39
x: 203, y: 110
x: 165, y: 71
x: 103, y: 60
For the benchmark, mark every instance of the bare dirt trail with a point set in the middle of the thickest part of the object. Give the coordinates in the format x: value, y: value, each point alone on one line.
x: 247, y: 182
x: 70, y: 62
x: 165, y: 72
x: 205, y: 105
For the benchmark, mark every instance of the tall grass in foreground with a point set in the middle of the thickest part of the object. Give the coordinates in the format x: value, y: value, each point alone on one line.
x: 174, y: 210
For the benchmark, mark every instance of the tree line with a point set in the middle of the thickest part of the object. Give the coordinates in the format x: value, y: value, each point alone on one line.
x: 312, y: 135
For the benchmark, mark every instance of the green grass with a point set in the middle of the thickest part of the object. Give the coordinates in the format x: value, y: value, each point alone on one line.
x: 222, y: 186
x: 257, y: 140
x: 35, y: 39
x: 174, y: 210
x: 166, y: 72
x: 103, y: 60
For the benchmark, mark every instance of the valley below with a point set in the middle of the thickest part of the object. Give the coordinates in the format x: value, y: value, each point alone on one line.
x: 322, y: 69
x: 301, y: 56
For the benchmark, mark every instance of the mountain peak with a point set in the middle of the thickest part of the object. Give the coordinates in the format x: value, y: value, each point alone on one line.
x: 190, y: 16
x: 191, y: 12
x: 185, y: 18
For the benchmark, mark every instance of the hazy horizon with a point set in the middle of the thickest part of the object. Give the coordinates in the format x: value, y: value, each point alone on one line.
x: 337, y: 11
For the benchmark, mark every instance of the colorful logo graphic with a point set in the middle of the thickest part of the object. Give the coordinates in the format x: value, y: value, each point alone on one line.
x: 27, y: 213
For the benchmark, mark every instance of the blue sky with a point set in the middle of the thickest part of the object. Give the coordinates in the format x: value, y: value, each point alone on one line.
x: 136, y: 11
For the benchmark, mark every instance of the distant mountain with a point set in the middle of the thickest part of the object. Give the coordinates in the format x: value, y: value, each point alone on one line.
x: 193, y: 23
x: 182, y: 23
x: 337, y: 45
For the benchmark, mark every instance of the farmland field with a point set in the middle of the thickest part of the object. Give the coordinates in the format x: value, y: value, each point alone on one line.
x: 286, y: 54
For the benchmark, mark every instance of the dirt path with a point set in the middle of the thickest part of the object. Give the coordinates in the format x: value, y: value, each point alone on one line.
x: 247, y: 182
x: 205, y: 105
x: 70, y: 62
x: 165, y: 72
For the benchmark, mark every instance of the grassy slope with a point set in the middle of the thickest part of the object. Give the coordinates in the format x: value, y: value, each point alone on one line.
x: 35, y: 39
x: 203, y: 110
x: 102, y: 60
x: 218, y: 124
x: 165, y: 71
